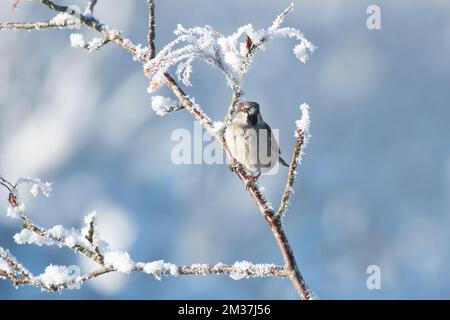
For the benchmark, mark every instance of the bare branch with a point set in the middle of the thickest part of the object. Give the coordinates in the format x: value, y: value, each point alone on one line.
x: 292, y: 174
x: 151, y: 28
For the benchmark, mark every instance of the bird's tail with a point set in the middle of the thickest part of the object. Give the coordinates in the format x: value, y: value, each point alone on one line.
x: 284, y: 163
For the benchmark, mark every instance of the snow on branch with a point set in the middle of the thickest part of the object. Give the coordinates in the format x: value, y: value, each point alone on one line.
x: 230, y: 54
x: 77, y: 41
x: 162, y: 105
x: 86, y: 241
x: 302, y: 136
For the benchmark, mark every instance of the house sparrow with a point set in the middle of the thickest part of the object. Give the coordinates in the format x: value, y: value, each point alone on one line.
x: 251, y: 142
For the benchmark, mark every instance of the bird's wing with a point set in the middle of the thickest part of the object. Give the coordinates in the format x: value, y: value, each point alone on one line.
x: 265, y: 126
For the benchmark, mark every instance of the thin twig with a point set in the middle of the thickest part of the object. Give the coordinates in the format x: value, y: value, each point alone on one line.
x: 16, y: 280
x: 14, y: 264
x: 267, y: 212
x: 237, y: 93
x: 151, y: 28
x: 36, y: 25
x: 292, y: 174
x: 93, y: 23
x: 93, y: 255
x: 192, y: 270
x: 6, y: 184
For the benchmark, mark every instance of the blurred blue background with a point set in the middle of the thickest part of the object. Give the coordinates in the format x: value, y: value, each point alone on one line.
x: 373, y: 188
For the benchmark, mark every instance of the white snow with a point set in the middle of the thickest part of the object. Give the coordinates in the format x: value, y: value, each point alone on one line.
x: 162, y: 105
x: 120, y: 260
x: 158, y: 268
x: 140, y: 52
x: 65, y: 20
x: 63, y: 236
x: 34, y: 190
x: 280, y: 18
x: 245, y: 269
x: 5, y: 266
x: 218, y: 126
x: 200, y: 268
x: 88, y: 220
x: 234, y: 60
x: 95, y: 44
x: 61, y: 18
x: 184, y: 72
x: 304, y: 123
x: 77, y: 40
x: 26, y: 236
x: 300, y: 52
x: 55, y: 275
x: 15, y: 212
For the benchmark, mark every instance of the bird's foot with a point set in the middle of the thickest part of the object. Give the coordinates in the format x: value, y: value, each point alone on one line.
x: 250, y: 180
x: 234, y: 165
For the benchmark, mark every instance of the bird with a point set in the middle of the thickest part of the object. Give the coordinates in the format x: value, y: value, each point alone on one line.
x: 251, y: 142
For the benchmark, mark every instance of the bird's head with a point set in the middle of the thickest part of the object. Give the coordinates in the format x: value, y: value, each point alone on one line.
x: 248, y: 113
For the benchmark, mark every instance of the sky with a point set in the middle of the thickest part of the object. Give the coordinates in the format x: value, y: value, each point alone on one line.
x: 373, y: 187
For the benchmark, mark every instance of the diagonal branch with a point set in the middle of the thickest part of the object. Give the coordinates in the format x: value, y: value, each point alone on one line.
x: 290, y: 269
x: 255, y: 192
x: 237, y: 93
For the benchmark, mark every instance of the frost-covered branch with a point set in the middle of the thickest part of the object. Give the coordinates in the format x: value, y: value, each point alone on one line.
x: 232, y: 55
x: 162, y: 105
x: 255, y: 191
x: 10, y: 268
x: 86, y: 241
x: 302, y: 135
x: 77, y: 41
x: 90, y: 21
